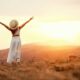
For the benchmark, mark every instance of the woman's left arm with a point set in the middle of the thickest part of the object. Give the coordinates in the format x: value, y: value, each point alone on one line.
x: 20, y: 27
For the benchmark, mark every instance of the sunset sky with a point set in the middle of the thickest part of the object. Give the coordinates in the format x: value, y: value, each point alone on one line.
x: 56, y: 22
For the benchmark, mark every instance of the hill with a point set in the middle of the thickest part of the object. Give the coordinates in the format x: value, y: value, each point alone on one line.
x: 42, y: 63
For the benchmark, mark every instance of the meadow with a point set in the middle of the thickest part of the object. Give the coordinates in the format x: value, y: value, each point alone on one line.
x: 40, y: 67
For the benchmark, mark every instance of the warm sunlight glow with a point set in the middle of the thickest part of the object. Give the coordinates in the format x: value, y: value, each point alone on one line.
x: 56, y: 22
x: 60, y: 33
x: 57, y: 33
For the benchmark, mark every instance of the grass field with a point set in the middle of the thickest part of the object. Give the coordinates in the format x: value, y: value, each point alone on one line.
x: 38, y: 68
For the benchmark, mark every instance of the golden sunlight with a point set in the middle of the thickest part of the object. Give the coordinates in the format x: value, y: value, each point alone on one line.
x: 60, y: 33
x: 49, y: 33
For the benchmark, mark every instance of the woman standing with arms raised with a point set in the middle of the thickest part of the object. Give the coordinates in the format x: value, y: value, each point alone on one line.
x: 14, y: 54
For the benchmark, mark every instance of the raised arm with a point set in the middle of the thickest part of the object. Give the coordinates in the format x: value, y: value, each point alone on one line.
x: 5, y: 25
x: 25, y: 23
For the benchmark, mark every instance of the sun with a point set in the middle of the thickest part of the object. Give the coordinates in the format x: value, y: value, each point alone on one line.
x: 63, y: 33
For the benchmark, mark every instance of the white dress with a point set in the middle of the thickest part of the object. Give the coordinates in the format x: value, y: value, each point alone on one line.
x: 15, y: 49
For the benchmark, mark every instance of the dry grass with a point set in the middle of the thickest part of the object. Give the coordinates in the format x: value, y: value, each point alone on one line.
x: 39, y: 63
x: 40, y: 70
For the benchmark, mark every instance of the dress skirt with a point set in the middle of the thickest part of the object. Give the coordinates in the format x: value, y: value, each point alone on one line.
x: 15, y: 50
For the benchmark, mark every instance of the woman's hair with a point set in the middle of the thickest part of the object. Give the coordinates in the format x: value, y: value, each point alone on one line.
x: 13, y: 24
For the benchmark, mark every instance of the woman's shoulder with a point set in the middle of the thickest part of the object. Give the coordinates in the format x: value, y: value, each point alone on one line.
x: 15, y: 29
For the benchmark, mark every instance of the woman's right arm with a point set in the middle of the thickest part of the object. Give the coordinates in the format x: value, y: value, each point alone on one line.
x: 25, y: 23
x: 5, y: 25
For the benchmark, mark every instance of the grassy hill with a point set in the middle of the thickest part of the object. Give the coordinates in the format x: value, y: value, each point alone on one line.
x: 42, y: 63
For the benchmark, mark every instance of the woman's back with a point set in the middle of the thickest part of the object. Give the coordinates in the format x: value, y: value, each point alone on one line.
x: 15, y: 32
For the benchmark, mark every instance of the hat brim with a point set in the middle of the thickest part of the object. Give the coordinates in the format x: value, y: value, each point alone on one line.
x: 13, y: 28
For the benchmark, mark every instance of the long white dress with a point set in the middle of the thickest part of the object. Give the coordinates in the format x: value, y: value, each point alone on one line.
x: 15, y: 49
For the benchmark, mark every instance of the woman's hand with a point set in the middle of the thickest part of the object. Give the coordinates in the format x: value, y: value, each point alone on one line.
x: 31, y: 18
x: 1, y: 23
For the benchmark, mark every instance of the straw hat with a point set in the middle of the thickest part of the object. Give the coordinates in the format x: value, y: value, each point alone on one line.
x: 13, y: 24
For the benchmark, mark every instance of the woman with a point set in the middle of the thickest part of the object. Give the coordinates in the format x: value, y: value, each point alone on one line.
x: 14, y: 54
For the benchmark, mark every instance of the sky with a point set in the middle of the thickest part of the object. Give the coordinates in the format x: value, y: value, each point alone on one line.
x: 55, y: 22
